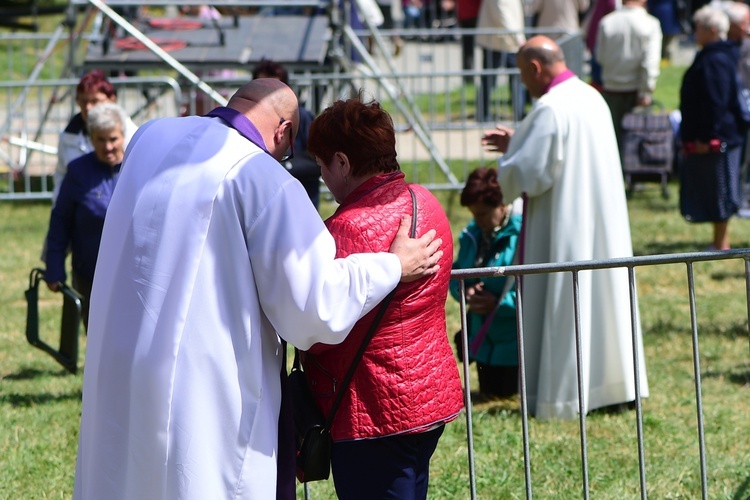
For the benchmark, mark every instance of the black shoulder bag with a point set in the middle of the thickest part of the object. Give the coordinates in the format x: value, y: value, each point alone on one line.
x: 312, y: 429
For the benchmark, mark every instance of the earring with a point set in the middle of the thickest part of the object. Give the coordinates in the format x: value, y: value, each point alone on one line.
x: 346, y: 181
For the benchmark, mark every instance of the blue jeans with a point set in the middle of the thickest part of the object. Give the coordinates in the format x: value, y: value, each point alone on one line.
x: 392, y: 467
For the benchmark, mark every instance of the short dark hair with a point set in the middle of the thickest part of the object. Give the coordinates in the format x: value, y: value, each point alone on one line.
x: 362, y: 131
x: 271, y: 69
x: 482, y: 187
x: 95, y: 81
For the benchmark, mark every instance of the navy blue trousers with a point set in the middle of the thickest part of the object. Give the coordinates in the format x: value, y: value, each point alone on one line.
x: 393, y: 467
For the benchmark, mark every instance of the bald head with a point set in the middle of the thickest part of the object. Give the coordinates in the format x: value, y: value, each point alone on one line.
x: 273, y: 108
x: 265, y: 95
x: 540, y: 60
x: 544, y: 50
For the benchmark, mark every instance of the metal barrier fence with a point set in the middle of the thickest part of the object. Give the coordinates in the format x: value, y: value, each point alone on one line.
x: 432, y: 100
x: 574, y: 268
x: 35, y: 112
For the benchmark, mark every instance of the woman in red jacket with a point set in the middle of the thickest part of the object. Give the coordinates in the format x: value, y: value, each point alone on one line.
x: 406, y: 386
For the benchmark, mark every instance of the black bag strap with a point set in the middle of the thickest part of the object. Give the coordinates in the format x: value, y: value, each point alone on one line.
x: 370, y: 333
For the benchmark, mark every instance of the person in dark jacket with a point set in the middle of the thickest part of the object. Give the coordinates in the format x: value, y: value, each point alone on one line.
x: 406, y: 386
x: 489, y: 240
x: 302, y: 165
x: 77, y: 219
x: 666, y: 12
x: 712, y: 129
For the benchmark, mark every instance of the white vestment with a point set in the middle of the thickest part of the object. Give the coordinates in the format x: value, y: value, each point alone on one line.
x: 209, y: 248
x: 564, y: 157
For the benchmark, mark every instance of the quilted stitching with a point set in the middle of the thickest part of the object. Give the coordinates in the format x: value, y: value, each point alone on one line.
x: 408, y: 377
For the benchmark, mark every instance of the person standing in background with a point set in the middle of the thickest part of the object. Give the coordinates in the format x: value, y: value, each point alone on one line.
x: 499, y: 51
x: 712, y: 129
x: 564, y: 158
x: 393, y: 17
x: 562, y: 15
x: 666, y: 12
x: 467, y: 12
x: 302, y: 165
x: 739, y: 29
x: 628, y: 48
x: 601, y: 8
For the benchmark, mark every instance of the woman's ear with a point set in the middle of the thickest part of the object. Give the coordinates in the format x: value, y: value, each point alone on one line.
x: 343, y: 163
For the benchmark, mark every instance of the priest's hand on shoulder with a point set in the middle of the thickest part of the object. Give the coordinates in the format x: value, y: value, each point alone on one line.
x: 419, y: 256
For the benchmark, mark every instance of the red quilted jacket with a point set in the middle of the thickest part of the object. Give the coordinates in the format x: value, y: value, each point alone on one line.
x: 407, y: 380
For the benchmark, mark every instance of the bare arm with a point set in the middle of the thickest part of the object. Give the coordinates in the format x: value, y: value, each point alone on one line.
x: 419, y: 256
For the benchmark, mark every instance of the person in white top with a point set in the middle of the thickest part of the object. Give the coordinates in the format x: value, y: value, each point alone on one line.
x: 564, y: 158
x: 499, y: 51
x: 628, y: 48
x: 564, y: 15
x: 211, y: 253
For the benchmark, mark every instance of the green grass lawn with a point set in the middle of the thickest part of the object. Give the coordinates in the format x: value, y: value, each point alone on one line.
x: 40, y: 403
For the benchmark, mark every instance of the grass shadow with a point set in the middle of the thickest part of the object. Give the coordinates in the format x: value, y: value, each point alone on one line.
x: 739, y: 375
x: 705, y: 328
x: 500, y: 409
x: 681, y: 246
x: 740, y: 378
x: 667, y: 247
x: 33, y: 373
x: 27, y: 400
x: 721, y: 276
x: 743, y: 491
x: 493, y: 405
x: 652, y: 204
x: 32, y: 202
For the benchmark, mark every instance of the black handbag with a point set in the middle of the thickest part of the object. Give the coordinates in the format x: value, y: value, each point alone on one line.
x: 312, y: 429
x: 313, y: 439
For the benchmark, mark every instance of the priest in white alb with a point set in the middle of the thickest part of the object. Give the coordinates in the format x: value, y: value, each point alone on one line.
x: 564, y: 158
x: 210, y: 248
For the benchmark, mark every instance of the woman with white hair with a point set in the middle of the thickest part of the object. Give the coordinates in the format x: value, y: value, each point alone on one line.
x: 712, y: 129
x: 77, y: 218
x: 739, y: 29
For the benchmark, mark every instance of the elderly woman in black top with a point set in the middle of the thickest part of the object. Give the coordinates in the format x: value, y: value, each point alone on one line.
x: 712, y: 129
